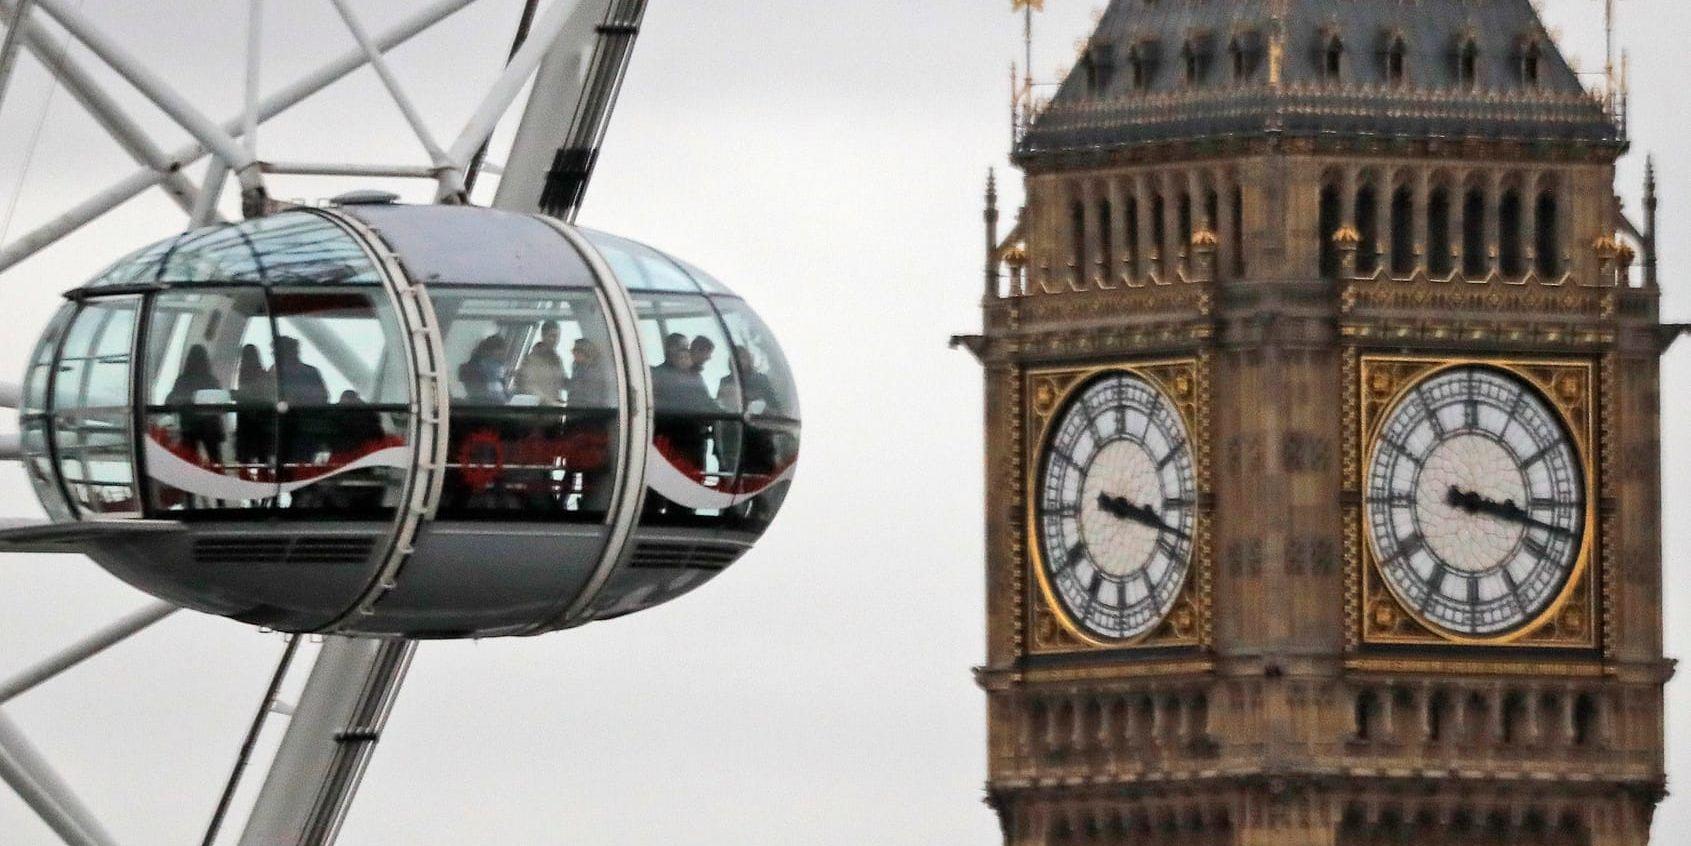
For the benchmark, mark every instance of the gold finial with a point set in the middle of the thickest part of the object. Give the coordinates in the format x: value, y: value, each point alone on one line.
x: 1347, y: 236
x: 1205, y: 238
x: 1016, y: 256
x: 1606, y: 247
x: 1625, y: 254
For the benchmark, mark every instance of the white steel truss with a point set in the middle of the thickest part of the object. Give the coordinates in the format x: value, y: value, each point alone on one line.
x: 353, y: 685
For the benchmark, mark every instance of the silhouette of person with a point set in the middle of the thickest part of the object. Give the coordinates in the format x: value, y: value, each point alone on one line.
x: 588, y: 384
x: 483, y: 376
x: 681, y: 397
x: 255, y: 423
x: 542, y: 373
x: 701, y: 350
x: 302, y: 387
x: 202, y: 432
x: 360, y: 426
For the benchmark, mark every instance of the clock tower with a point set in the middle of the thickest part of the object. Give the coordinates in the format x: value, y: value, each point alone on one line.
x: 1323, y: 464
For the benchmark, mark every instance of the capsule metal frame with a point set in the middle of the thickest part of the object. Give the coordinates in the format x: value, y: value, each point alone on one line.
x: 424, y: 576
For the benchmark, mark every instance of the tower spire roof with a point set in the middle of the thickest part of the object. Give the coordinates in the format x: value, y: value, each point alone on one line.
x: 1160, y: 70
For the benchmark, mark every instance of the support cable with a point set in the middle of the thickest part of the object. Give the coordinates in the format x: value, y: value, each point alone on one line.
x: 127, y: 188
x: 524, y: 24
x: 572, y: 168
x: 265, y: 708
x: 14, y: 35
x: 10, y: 45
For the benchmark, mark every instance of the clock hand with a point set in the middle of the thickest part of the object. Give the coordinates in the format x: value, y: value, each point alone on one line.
x: 1144, y: 515
x: 1473, y: 503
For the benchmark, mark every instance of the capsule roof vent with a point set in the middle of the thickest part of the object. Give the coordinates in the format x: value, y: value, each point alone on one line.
x: 366, y: 197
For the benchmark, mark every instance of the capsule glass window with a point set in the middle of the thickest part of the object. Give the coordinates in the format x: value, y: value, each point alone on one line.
x: 285, y: 402
x: 209, y: 438
x: 697, y: 402
x: 770, y: 441
x: 535, y: 423
x: 344, y: 393
x: 34, y: 418
x: 91, y: 421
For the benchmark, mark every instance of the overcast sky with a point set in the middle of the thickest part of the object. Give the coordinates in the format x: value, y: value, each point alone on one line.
x: 827, y: 160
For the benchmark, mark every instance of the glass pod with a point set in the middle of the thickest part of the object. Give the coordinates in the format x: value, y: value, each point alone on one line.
x: 410, y: 420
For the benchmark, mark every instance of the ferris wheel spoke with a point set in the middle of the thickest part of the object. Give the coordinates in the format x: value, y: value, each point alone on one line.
x: 28, y: 773
x: 134, y: 184
x: 87, y: 648
x: 578, y: 18
x: 160, y: 93
x: 11, y: 42
x: 82, y: 85
x: 391, y: 82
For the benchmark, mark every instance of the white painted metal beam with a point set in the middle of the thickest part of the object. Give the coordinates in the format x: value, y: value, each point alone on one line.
x: 10, y: 44
x: 559, y: 88
x: 129, y: 187
x: 391, y: 82
x: 84, y: 649
x: 572, y: 19
x: 334, y: 730
x: 22, y: 767
x: 159, y: 92
x: 105, y: 110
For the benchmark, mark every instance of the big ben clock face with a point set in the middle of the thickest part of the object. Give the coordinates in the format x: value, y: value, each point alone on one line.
x: 1115, y: 512
x: 1476, y: 504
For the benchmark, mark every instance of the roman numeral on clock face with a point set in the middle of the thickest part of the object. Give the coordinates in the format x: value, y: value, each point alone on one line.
x: 1115, y: 526
x: 1459, y: 515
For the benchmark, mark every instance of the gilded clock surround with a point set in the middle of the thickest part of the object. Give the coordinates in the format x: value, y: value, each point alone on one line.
x: 1051, y: 631
x: 1569, y: 387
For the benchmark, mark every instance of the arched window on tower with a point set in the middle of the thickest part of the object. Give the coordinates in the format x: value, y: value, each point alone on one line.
x: 1532, y: 61
x: 1195, y: 57
x: 1397, y: 61
x: 1474, y: 257
x: 1403, y: 231
x: 1438, y: 716
x: 1159, y: 233
x: 1367, y: 713
x: 1585, y: 720
x: 1242, y: 57
x: 1439, y: 261
x: 1329, y: 226
x: 1368, y: 226
x: 1185, y: 221
x: 1511, y: 243
x: 1142, y: 59
x: 1238, y: 225
x: 1548, y: 242
x: 1099, y: 64
x: 1468, y: 64
x: 1106, y: 240
x: 1077, y: 243
x: 1135, y: 250
x: 1514, y: 715
x: 1332, y: 58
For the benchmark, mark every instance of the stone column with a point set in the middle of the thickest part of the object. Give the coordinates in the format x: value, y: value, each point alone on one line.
x: 1347, y: 198
x: 1093, y: 239
x: 1493, y: 219
x: 1118, y: 233
x: 1423, y: 201
x: 1171, y: 246
x: 1529, y: 221
x: 1225, y: 236
x: 1383, y: 191
x: 1149, y: 252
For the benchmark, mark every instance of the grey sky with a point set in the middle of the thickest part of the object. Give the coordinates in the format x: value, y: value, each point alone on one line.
x: 827, y: 160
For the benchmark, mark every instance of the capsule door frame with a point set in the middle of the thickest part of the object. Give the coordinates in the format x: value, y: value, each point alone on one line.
x: 634, y: 386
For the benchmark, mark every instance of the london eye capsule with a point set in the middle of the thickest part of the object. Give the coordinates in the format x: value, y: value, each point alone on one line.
x: 419, y: 421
